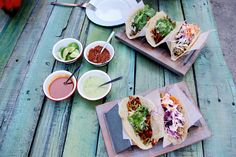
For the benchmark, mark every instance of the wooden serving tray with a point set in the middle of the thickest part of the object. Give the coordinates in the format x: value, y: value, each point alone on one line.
x: 195, y: 134
x: 159, y: 54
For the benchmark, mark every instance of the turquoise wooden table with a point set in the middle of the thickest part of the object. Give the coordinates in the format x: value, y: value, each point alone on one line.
x: 32, y: 125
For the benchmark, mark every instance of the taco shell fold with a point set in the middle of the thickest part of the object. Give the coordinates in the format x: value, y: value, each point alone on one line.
x: 152, y: 25
x: 171, y: 43
x: 123, y: 112
x: 128, y: 26
x: 173, y: 140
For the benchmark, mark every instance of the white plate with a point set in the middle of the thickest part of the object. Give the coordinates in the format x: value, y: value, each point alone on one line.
x: 111, y: 12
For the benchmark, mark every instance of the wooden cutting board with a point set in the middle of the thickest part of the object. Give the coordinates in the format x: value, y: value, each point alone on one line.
x: 160, y: 54
x: 195, y: 134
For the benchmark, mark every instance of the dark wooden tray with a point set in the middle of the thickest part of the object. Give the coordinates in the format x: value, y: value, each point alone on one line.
x: 195, y: 134
x: 159, y: 54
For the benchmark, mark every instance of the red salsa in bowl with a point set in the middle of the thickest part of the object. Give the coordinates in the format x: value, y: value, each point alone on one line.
x: 93, y: 54
x: 55, y: 88
x: 96, y: 56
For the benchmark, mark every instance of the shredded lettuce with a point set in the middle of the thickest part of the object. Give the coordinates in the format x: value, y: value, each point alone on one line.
x: 164, y: 26
x: 140, y: 20
x: 137, y: 119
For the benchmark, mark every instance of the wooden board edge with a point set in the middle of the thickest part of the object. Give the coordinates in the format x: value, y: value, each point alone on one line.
x: 105, y: 133
x: 181, y: 72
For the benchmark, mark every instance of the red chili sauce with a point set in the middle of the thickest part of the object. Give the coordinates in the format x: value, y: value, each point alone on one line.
x: 95, y: 56
x: 57, y: 89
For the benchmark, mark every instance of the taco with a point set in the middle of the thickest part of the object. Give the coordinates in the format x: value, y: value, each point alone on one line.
x: 175, y: 119
x: 159, y: 29
x: 183, y: 39
x: 138, y: 121
x: 137, y: 22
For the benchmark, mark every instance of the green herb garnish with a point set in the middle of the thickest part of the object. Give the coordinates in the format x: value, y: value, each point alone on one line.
x: 164, y: 26
x: 137, y: 119
x: 142, y: 17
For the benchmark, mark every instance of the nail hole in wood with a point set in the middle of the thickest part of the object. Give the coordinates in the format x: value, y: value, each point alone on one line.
x: 17, y: 60
x: 208, y: 101
x: 233, y: 103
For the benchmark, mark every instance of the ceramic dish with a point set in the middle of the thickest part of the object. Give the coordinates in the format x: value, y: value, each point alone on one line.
x: 51, y: 78
x: 109, y: 47
x: 87, y: 83
x: 111, y: 13
x: 64, y: 43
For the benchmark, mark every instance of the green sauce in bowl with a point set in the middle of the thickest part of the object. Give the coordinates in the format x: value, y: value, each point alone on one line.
x: 91, y: 87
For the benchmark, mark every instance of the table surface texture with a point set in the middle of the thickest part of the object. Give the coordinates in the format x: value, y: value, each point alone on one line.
x: 32, y: 125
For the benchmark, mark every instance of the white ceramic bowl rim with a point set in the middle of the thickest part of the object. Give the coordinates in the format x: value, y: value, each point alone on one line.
x: 54, y: 51
x: 51, y: 78
x: 94, y: 44
x: 90, y: 73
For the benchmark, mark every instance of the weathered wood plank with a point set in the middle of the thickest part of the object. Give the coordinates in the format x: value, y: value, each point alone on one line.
x: 52, y: 128
x: 149, y: 75
x: 174, y: 10
x: 18, y: 127
x: 83, y: 129
x: 216, y: 90
x: 124, y: 60
x: 19, y: 62
x: 12, y: 30
x: 4, y: 19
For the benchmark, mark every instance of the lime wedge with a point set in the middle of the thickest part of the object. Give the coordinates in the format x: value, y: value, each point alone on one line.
x: 74, y: 54
x: 67, y: 51
x: 69, y: 58
x: 75, y: 45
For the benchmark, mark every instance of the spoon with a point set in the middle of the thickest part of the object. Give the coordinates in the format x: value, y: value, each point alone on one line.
x: 113, y: 80
x: 82, y: 5
x: 108, y: 40
x: 78, y: 68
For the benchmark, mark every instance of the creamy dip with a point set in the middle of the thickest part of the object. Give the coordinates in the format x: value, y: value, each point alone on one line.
x: 91, y: 87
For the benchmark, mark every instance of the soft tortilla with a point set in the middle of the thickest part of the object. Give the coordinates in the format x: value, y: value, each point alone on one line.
x: 123, y: 112
x: 128, y: 25
x: 184, y: 135
x: 172, y: 44
x: 152, y: 25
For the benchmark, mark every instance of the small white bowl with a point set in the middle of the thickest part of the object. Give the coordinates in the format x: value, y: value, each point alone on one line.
x: 109, y: 47
x: 51, y: 78
x: 64, y: 43
x: 99, y: 73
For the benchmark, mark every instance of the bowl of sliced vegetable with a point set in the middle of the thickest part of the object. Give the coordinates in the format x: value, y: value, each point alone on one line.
x: 67, y: 50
